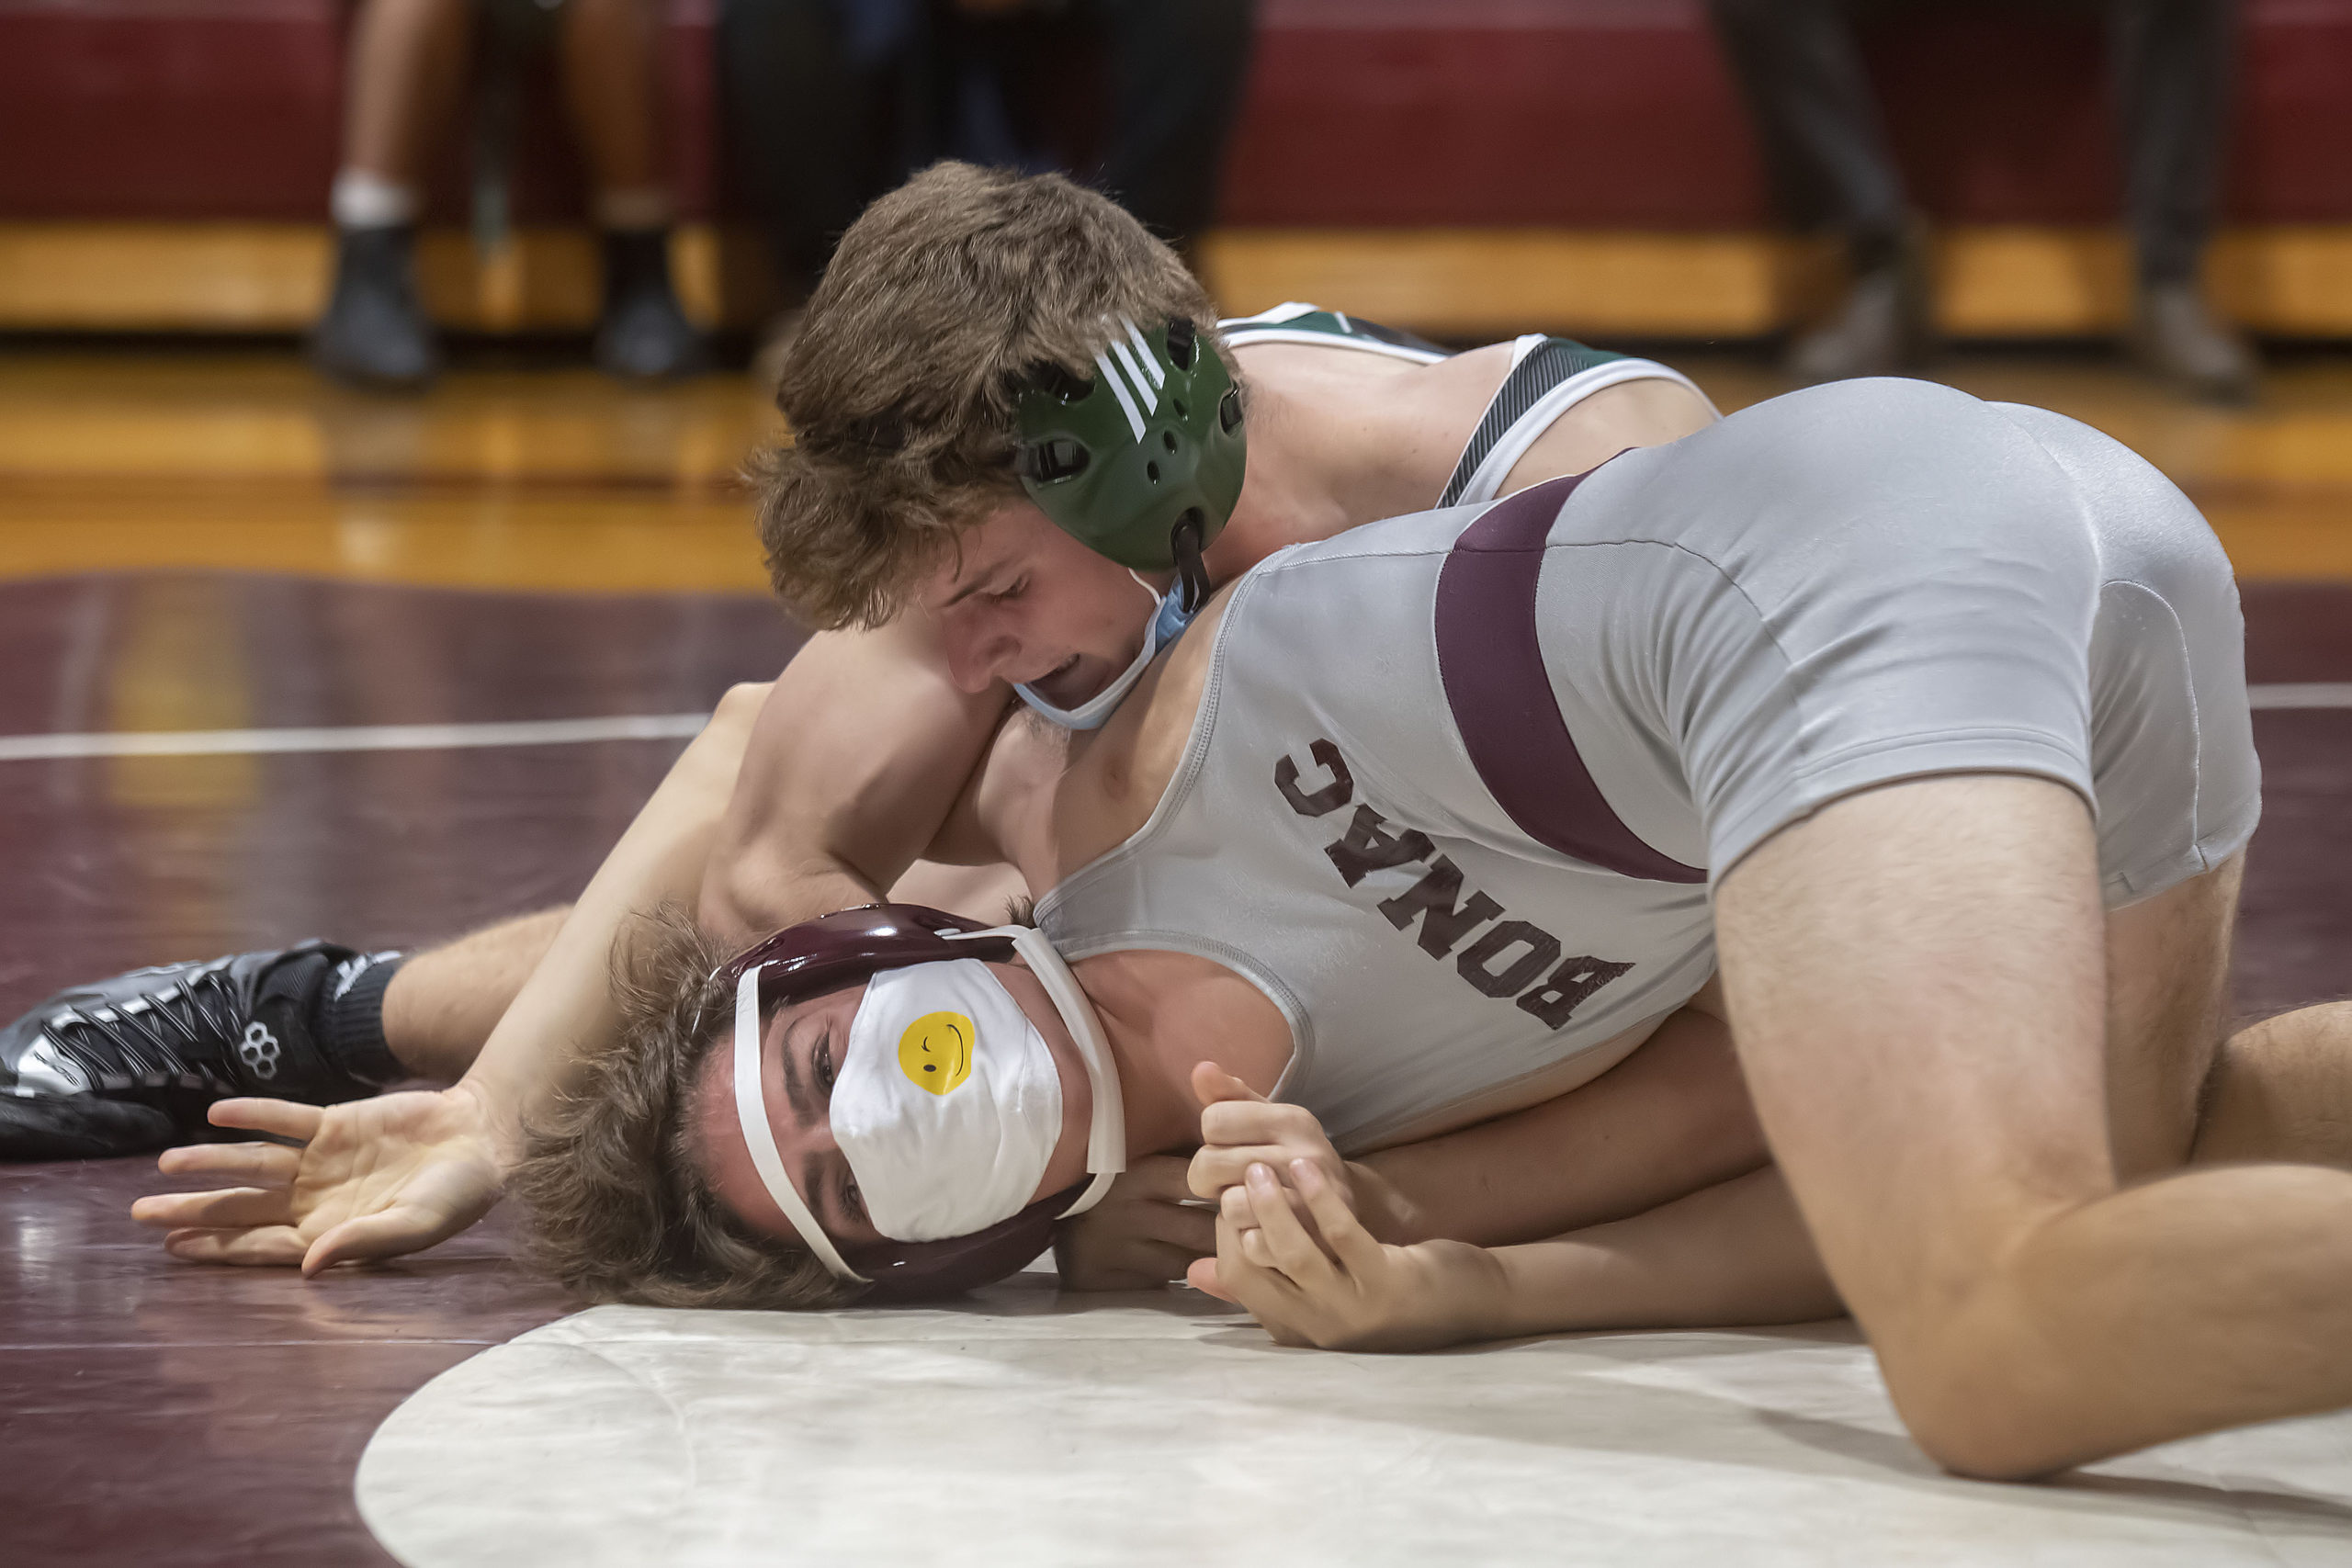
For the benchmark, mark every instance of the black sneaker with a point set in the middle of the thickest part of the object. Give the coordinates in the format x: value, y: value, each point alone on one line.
x: 374, y: 332
x: 131, y: 1064
x: 2174, y: 335
x: 643, y: 335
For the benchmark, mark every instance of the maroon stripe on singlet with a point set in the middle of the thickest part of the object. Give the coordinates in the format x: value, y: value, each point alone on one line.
x: 1492, y: 665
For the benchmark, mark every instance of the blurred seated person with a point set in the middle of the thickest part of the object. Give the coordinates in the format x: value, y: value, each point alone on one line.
x: 1167, y: 88
x: 1798, y: 64
x: 833, y: 102
x: 405, y: 82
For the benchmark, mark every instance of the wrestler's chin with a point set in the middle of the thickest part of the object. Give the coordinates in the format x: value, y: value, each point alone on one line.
x: 1071, y: 682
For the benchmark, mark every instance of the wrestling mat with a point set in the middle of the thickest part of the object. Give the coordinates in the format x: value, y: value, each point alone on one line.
x: 1020, y: 1426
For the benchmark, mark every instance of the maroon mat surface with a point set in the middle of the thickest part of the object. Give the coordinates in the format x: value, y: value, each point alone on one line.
x: 153, y: 1412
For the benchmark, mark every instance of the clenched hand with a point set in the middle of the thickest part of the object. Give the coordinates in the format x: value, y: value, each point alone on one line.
x: 1337, y: 1287
x: 1144, y: 1234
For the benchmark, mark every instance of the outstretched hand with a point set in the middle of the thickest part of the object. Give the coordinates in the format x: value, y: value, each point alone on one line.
x: 373, y: 1178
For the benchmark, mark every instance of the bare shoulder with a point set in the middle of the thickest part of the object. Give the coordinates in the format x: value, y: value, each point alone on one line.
x: 1195, y: 1009
x: 1403, y: 424
x: 1338, y: 357
x: 1648, y: 413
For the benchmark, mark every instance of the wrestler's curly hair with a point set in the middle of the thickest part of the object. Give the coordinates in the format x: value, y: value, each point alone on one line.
x: 940, y: 304
x: 621, y: 1209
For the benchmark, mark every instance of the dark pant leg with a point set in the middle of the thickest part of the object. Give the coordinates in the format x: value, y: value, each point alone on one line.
x: 2174, y: 63
x: 813, y: 126
x: 1800, y: 68
x: 1175, y: 71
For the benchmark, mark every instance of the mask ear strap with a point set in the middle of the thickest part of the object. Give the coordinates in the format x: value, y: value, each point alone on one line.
x: 751, y: 1111
x: 1106, y: 1141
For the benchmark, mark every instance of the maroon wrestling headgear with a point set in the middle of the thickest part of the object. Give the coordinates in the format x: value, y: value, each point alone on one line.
x: 846, y: 948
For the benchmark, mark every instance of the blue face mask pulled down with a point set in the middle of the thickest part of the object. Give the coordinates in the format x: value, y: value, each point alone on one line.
x: 1168, y: 619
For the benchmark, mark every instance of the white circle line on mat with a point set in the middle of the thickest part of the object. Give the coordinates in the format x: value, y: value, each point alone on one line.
x: 351, y: 737
x: 2274, y: 696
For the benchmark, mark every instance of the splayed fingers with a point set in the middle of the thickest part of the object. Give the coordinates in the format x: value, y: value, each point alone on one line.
x: 261, y: 1165
x: 369, y: 1179
x: 238, y: 1208
x: 280, y: 1118
x: 274, y: 1245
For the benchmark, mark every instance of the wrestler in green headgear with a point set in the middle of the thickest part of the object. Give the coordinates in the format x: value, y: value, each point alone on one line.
x: 1144, y: 462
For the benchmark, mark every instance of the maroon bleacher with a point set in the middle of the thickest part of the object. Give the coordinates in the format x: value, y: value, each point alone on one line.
x: 1612, y: 113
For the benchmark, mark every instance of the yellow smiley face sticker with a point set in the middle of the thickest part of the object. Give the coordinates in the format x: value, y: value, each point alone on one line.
x: 936, y: 1053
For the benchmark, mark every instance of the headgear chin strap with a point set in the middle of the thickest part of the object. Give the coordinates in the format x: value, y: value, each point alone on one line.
x: 751, y: 1111
x: 824, y: 958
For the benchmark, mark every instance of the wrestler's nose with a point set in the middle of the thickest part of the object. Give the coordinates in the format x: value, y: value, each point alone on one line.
x: 978, y: 653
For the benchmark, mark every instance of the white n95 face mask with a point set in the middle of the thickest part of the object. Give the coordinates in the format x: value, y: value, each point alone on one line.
x: 948, y: 1104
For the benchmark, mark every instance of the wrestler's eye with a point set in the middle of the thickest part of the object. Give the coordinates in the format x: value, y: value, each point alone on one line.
x: 824, y: 1065
x: 1007, y: 595
x: 854, y: 1202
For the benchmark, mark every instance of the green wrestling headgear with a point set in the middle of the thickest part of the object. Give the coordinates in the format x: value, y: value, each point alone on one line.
x: 1144, y: 462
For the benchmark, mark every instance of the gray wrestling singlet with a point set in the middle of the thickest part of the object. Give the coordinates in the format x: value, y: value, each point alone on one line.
x: 1459, y: 783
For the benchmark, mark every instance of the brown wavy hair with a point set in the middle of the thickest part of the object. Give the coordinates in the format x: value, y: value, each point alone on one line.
x: 942, y: 301
x: 621, y: 1209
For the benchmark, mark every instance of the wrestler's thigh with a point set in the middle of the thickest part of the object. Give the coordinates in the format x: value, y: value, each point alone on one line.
x: 2168, y: 989
x: 2282, y: 1090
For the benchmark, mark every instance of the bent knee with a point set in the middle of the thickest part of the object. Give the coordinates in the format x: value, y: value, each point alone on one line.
x: 1981, y: 1389
x: 1973, y: 1416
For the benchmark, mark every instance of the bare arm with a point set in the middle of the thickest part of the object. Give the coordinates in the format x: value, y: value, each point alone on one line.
x: 377, y: 1177
x: 1645, y: 1148
x: 855, y: 765
x: 801, y: 796
x: 1732, y: 1254
x: 1735, y: 1253
x: 659, y: 860
x: 1670, y: 1119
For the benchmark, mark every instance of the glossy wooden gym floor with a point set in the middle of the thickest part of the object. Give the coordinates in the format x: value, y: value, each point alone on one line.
x: 534, y: 478
x: 203, y: 541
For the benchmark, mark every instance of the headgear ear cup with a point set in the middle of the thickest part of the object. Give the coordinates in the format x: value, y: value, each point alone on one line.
x: 1144, y: 462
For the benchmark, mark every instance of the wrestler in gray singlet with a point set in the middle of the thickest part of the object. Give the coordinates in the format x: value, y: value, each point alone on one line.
x: 1460, y: 782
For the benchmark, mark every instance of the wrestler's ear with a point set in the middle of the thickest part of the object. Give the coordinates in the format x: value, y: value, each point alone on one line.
x: 1211, y: 1083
